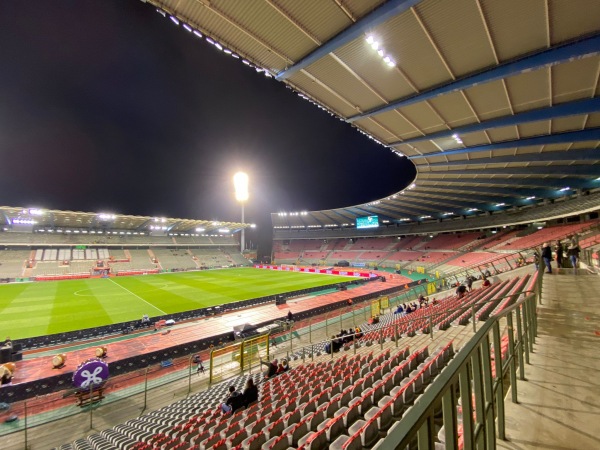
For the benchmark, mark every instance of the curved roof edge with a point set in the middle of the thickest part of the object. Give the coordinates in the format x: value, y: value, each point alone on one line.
x: 583, y: 204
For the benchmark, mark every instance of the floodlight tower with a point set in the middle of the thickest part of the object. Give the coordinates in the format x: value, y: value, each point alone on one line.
x: 240, y: 182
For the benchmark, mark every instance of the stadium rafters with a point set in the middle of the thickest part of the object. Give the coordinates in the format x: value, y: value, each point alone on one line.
x: 496, y: 103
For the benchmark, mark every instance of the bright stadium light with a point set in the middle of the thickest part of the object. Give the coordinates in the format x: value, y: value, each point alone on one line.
x: 240, y: 183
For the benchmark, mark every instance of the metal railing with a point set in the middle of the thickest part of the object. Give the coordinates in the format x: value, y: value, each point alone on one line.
x: 477, y: 377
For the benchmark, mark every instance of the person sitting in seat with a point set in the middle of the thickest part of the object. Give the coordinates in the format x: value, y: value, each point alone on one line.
x: 250, y: 394
x: 358, y: 332
x: 233, y: 401
x: 272, y: 368
x: 461, y: 291
x: 283, y: 366
x: 486, y: 282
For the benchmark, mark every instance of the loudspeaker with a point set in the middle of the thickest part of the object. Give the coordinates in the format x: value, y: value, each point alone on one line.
x: 280, y: 300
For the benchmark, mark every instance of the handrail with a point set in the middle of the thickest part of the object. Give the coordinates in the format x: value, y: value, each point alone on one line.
x: 471, y: 372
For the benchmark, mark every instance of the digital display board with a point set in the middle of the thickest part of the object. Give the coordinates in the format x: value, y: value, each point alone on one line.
x: 367, y: 222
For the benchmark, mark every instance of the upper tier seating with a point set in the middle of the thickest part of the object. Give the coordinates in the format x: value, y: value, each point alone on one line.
x: 450, y: 241
x: 373, y: 243
x: 545, y: 235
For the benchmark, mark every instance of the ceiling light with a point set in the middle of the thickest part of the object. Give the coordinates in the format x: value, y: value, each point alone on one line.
x: 197, y: 33
x: 370, y: 39
x: 187, y: 27
x: 565, y: 189
x: 174, y: 19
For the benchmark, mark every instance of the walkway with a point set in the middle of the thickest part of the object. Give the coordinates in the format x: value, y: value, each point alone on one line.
x: 559, y: 406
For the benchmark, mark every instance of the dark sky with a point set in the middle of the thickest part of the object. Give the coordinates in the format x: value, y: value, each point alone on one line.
x: 108, y: 106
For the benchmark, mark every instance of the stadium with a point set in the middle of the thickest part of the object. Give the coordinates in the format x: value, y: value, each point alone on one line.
x: 459, y: 312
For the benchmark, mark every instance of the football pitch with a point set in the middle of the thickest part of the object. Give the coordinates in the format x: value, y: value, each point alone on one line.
x: 37, y: 309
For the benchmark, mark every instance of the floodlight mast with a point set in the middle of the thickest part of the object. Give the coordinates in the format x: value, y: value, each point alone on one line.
x: 240, y: 182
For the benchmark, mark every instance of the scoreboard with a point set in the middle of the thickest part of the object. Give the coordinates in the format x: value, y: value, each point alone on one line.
x: 367, y: 222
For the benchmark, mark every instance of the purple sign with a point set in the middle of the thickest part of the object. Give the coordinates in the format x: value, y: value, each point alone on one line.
x: 93, y: 371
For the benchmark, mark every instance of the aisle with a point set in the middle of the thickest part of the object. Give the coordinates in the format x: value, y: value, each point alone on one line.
x: 559, y: 404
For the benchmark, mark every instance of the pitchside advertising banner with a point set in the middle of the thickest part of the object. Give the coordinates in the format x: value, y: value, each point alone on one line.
x: 348, y: 273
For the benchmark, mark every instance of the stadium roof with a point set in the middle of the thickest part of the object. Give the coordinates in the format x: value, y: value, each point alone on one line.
x: 495, y: 102
x: 39, y: 218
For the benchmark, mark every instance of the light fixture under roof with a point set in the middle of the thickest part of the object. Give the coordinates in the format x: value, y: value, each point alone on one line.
x: 565, y: 189
x: 376, y: 45
x: 187, y: 27
x: 174, y: 19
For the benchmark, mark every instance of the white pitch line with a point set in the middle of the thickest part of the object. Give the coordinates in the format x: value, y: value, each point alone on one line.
x: 135, y: 295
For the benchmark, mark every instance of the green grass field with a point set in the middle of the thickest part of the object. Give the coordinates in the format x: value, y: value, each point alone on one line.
x: 37, y: 309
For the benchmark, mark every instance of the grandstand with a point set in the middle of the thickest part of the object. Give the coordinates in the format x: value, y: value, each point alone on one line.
x: 496, y: 104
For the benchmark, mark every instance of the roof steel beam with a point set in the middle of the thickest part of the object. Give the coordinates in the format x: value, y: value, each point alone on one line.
x: 447, y: 204
x: 473, y: 193
x: 380, y: 15
x: 554, y: 55
x: 586, y: 106
x: 587, y: 154
x: 591, y: 134
x: 368, y: 213
x: 536, y: 182
x: 580, y: 169
x: 465, y: 199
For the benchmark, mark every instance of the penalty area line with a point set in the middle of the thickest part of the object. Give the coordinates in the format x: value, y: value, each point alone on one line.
x: 135, y: 295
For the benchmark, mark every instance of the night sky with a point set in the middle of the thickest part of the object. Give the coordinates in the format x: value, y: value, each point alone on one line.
x: 106, y: 106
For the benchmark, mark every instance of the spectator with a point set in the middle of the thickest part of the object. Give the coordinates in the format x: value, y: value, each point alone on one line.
x: 536, y: 261
x: 283, y: 366
x: 399, y: 310
x: 233, y: 401
x: 250, y: 394
x: 272, y: 367
x: 200, y: 367
x: 461, y: 291
x: 573, y: 254
x: 358, y: 332
x: 470, y: 283
x: 290, y: 316
x: 559, y: 254
x: 547, y: 257
x: 486, y: 282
